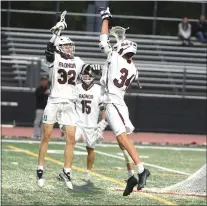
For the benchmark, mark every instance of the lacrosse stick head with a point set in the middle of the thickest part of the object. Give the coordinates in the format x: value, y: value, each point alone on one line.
x: 62, y: 16
x: 118, y: 32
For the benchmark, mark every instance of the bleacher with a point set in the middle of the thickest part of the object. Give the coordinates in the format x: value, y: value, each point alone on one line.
x: 165, y: 67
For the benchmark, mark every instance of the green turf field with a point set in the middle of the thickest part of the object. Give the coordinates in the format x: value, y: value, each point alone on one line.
x: 19, y: 161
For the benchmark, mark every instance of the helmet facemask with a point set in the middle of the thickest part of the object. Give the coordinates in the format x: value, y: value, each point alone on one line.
x: 67, y: 49
x: 87, y: 79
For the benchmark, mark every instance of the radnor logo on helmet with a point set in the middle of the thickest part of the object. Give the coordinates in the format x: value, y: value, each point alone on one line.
x: 124, y: 44
x: 67, y: 65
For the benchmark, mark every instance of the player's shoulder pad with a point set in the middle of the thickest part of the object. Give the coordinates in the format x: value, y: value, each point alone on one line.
x: 77, y: 58
x: 79, y: 85
x: 97, y: 87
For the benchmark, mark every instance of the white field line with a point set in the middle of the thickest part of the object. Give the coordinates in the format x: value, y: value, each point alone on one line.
x: 151, y: 165
x: 50, y: 151
x: 141, y: 156
x: 111, y: 145
x: 98, y: 152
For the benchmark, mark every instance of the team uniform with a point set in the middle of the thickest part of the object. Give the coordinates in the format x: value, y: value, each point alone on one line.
x: 88, y: 107
x: 119, y: 72
x: 117, y: 75
x: 64, y: 68
x: 61, y: 102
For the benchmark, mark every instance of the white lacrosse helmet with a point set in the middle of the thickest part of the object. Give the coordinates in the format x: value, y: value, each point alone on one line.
x: 125, y: 46
x: 66, y: 46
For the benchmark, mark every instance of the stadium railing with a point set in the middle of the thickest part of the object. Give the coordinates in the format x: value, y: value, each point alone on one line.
x: 164, y: 66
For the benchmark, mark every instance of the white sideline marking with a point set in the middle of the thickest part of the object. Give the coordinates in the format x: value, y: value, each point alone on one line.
x: 14, y: 163
x: 50, y: 151
x: 62, y: 152
x: 10, y: 150
x: 151, y: 165
x: 143, y: 157
x: 111, y: 145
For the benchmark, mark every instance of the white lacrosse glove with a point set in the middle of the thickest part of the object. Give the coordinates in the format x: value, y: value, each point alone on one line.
x: 93, y: 70
x: 98, y: 134
x: 96, y: 68
x: 61, y: 25
x: 105, y: 13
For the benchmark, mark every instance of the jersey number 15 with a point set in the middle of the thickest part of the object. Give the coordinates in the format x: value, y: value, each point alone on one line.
x: 86, y: 107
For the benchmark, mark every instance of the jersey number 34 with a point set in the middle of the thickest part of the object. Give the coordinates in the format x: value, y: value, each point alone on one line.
x: 124, y: 81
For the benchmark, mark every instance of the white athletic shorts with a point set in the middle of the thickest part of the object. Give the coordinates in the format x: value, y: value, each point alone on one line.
x: 87, y: 134
x: 118, y: 119
x: 63, y: 113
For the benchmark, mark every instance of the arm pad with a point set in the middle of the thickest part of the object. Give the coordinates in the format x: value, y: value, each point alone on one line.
x: 50, y: 52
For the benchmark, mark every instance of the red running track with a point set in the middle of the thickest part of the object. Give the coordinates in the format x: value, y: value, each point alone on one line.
x: 141, y: 137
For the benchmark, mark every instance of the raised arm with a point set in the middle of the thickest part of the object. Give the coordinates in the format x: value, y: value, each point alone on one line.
x: 56, y: 30
x: 104, y: 39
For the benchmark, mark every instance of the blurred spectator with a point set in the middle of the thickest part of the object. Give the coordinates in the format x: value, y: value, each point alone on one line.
x: 184, y: 32
x: 201, y: 29
x: 41, y: 95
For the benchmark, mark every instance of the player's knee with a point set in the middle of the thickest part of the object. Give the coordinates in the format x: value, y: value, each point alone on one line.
x: 70, y: 139
x: 90, y: 150
x: 46, y: 137
x: 121, y: 140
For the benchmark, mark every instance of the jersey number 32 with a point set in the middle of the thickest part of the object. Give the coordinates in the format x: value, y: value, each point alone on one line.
x: 64, y: 77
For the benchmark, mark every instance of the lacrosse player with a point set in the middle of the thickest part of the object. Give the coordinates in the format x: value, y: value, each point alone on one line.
x: 64, y: 69
x: 88, y: 106
x: 118, y: 73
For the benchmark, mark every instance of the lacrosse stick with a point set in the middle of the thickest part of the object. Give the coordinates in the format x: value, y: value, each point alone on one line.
x: 118, y: 32
x: 62, y: 20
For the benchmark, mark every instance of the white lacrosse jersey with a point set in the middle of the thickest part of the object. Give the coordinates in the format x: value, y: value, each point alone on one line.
x: 88, y: 105
x: 117, y: 75
x: 63, y: 76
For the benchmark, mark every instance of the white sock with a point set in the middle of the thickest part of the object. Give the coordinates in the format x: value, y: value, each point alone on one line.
x: 88, y: 172
x: 130, y: 173
x: 67, y: 170
x: 40, y: 167
x: 140, y: 168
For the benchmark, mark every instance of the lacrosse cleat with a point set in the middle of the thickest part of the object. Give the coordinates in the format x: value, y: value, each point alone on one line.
x: 131, y: 183
x: 67, y: 178
x: 87, y: 177
x: 40, y: 180
x: 142, y: 179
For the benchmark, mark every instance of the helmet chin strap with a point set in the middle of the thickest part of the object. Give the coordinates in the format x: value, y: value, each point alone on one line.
x: 87, y: 86
x: 64, y: 55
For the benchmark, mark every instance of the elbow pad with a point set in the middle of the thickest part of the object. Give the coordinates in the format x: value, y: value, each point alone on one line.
x: 105, y: 47
x: 50, y: 52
